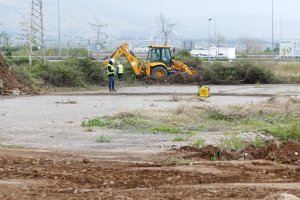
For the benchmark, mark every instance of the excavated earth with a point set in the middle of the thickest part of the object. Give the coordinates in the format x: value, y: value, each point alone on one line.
x: 37, y: 174
x: 10, y: 83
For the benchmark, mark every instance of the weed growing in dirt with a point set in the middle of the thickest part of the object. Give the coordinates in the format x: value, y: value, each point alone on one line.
x: 199, y: 143
x: 95, y: 122
x: 285, y: 132
x: 214, y: 158
x: 179, y: 139
x: 259, y: 143
x: 169, y: 129
x: 218, y: 115
x: 103, y: 139
x: 177, y: 161
x: 235, y: 143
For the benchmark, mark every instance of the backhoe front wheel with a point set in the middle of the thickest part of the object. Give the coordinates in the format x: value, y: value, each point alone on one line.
x: 159, y: 72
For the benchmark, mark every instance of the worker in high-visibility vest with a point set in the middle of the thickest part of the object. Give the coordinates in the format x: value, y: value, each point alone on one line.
x: 111, y: 75
x: 120, y: 71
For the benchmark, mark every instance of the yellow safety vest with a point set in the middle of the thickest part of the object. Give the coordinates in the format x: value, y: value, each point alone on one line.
x: 121, y: 69
x: 112, y: 69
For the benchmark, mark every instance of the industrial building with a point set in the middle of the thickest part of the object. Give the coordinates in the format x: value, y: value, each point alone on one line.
x: 215, y: 53
x: 290, y: 49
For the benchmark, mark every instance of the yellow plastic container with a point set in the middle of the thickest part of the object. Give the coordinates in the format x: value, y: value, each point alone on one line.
x: 204, y: 91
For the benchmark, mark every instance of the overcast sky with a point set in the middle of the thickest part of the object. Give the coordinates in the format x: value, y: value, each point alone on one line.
x: 235, y: 18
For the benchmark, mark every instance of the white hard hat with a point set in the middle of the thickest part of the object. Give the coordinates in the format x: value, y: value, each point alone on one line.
x: 112, y: 60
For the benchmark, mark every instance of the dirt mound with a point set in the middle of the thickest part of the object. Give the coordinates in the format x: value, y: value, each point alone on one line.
x: 287, y: 153
x: 10, y: 83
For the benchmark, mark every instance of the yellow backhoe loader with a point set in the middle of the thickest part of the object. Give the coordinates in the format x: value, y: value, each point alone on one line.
x: 159, y: 62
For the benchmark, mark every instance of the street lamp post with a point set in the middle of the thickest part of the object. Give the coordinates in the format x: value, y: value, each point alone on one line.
x: 273, y: 56
x: 59, y: 37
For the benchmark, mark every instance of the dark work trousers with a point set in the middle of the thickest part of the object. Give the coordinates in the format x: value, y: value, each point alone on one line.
x: 121, y: 77
x: 111, y: 83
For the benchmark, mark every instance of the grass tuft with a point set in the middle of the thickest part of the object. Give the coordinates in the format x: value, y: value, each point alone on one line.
x: 179, y: 139
x: 177, y: 161
x: 199, y: 143
x: 95, y: 122
x: 235, y: 143
x: 103, y: 139
x: 259, y: 143
x: 288, y: 132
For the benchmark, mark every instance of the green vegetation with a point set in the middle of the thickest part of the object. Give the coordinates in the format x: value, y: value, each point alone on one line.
x: 259, y: 143
x: 236, y: 73
x: 199, y: 143
x: 233, y: 120
x: 103, y: 139
x: 95, y: 122
x: 143, y: 122
x: 68, y: 73
x: 177, y: 161
x: 287, y: 131
x: 179, y: 139
x: 235, y: 143
x: 169, y: 129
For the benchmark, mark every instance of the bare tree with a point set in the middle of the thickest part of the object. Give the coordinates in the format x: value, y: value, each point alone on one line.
x: 100, y: 34
x: 166, y: 27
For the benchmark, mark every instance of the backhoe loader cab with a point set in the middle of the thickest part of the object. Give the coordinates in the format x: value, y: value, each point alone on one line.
x: 159, y: 60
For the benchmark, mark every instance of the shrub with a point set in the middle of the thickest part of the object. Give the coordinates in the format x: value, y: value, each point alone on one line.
x: 90, y: 70
x: 60, y: 76
x: 237, y: 72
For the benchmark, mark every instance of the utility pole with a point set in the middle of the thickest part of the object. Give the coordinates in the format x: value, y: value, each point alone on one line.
x: 216, y: 39
x: 36, y: 31
x: 58, y: 18
x: 281, y: 26
x: 273, y: 55
x: 209, y: 38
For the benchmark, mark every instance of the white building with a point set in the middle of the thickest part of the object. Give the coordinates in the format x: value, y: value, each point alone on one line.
x: 214, y: 52
x: 290, y: 49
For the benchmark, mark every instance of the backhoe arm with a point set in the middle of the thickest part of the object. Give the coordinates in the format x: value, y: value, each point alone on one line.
x: 123, y: 50
x: 181, y: 66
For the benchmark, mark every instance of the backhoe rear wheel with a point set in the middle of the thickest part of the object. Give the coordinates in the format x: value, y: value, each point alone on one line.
x: 159, y: 72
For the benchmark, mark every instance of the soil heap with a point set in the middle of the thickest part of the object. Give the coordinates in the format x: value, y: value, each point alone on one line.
x: 10, y: 83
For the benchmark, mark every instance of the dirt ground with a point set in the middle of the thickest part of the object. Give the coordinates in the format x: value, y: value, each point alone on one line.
x: 46, y: 154
x: 30, y: 174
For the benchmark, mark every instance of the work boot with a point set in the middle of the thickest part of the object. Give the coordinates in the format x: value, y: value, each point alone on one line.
x: 114, y: 90
x: 110, y: 90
